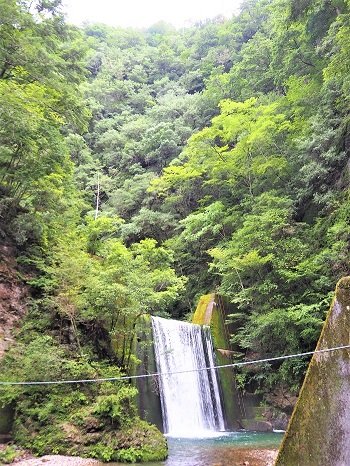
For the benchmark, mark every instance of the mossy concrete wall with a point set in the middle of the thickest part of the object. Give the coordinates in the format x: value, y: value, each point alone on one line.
x: 319, y: 430
x: 211, y: 311
x: 204, y: 311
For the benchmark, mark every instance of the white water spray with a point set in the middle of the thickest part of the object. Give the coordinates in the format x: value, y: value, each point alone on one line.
x: 191, y: 405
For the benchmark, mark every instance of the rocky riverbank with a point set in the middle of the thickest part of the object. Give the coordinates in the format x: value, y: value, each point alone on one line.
x: 23, y: 458
x: 57, y: 460
x: 236, y: 457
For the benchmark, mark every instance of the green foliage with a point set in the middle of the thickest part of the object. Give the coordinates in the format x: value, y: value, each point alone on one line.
x: 102, y: 452
x: 9, y: 454
x: 129, y: 455
x: 120, y: 408
x: 112, y: 289
x: 41, y: 68
x: 261, y: 190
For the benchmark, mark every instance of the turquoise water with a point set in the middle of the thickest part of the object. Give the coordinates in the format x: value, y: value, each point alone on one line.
x: 226, y: 450
x: 218, y: 451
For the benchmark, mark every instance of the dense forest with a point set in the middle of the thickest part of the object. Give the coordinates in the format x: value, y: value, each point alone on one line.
x: 140, y: 169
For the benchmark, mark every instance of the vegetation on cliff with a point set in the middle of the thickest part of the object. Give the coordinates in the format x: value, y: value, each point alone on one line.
x: 218, y: 157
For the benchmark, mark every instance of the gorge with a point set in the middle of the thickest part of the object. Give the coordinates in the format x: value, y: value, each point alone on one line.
x: 143, y: 169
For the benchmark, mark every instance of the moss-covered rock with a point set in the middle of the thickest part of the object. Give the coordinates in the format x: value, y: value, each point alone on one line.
x: 319, y: 430
x: 91, y: 432
x: 89, y: 419
x: 142, y: 440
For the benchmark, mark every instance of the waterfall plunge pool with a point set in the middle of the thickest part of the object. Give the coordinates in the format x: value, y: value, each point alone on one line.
x: 228, y: 449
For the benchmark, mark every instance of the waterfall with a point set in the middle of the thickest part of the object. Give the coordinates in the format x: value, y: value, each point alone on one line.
x: 191, y: 405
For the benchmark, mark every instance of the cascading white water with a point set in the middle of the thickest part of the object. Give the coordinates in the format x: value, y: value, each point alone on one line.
x: 191, y: 405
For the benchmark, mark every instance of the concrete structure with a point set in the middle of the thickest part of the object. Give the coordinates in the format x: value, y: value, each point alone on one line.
x: 319, y: 430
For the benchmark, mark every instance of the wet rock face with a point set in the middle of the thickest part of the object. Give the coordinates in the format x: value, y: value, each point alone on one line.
x: 13, y: 296
x: 282, y: 400
x: 278, y: 419
x: 319, y: 431
x: 257, y: 426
